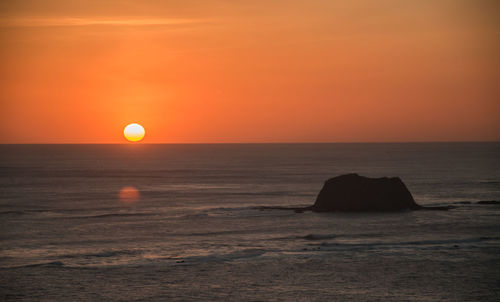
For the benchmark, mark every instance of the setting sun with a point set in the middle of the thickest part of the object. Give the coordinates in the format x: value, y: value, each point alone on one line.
x: 134, y: 132
x: 287, y: 140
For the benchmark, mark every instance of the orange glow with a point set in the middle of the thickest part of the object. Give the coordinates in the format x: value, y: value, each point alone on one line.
x: 134, y: 132
x: 129, y: 194
x: 259, y: 71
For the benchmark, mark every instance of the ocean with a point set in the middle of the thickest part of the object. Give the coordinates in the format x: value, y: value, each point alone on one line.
x: 145, y: 222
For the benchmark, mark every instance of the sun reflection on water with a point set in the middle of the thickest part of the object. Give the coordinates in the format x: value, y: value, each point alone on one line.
x: 129, y: 194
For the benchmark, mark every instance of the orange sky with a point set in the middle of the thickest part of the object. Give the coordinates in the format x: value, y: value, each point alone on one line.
x: 210, y: 71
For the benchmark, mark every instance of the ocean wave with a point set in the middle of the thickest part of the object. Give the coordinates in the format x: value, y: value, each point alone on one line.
x: 249, y: 209
x: 109, y: 215
x: 488, y: 202
x: 454, y: 242
x: 311, y: 237
x: 314, y: 237
x: 493, y: 182
x: 13, y: 213
x: 203, y: 212
x: 103, y: 254
x: 317, y: 236
x: 486, y: 238
x: 61, y: 214
x: 230, y: 209
x: 197, y: 215
x: 215, y: 233
x: 237, y: 255
x: 270, y: 193
x: 25, y: 212
x: 45, y: 264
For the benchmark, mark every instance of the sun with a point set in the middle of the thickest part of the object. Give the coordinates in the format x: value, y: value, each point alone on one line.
x: 134, y: 132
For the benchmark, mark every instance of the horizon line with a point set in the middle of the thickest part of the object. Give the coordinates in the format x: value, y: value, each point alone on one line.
x: 262, y: 143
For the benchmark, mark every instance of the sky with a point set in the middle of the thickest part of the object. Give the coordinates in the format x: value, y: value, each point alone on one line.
x: 225, y: 71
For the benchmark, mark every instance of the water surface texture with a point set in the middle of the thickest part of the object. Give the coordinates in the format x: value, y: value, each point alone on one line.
x: 181, y: 222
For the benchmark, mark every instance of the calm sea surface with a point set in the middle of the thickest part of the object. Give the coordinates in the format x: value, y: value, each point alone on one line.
x: 179, y: 222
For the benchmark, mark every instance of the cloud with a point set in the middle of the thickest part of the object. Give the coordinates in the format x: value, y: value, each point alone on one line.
x: 63, y: 22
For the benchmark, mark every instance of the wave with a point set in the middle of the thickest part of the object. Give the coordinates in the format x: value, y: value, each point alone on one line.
x: 25, y: 212
x: 318, y: 237
x: 237, y: 255
x: 454, y: 242
x: 270, y: 193
x: 231, y: 209
x: 115, y: 215
x: 314, y: 237
x: 488, y: 202
x: 45, y: 264
x: 214, y: 211
x: 487, y: 238
x: 490, y: 182
x: 192, y: 216
x: 108, y: 215
x: 103, y: 254
x: 98, y: 216
x: 215, y: 233
x: 61, y: 212
x: 311, y: 237
x: 69, y: 257
x: 13, y: 213
x: 256, y: 252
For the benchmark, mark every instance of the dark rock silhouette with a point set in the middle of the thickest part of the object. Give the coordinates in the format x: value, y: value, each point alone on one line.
x: 351, y: 192
x: 355, y: 193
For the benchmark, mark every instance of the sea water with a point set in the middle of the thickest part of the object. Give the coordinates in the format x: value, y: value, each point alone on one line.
x: 182, y: 223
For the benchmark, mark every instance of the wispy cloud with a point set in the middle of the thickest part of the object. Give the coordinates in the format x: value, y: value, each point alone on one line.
x: 60, y: 22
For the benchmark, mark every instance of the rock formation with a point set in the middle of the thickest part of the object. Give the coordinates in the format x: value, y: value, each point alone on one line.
x: 351, y: 192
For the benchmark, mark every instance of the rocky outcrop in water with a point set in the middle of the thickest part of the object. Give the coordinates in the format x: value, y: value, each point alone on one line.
x: 351, y: 193
x: 355, y: 193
